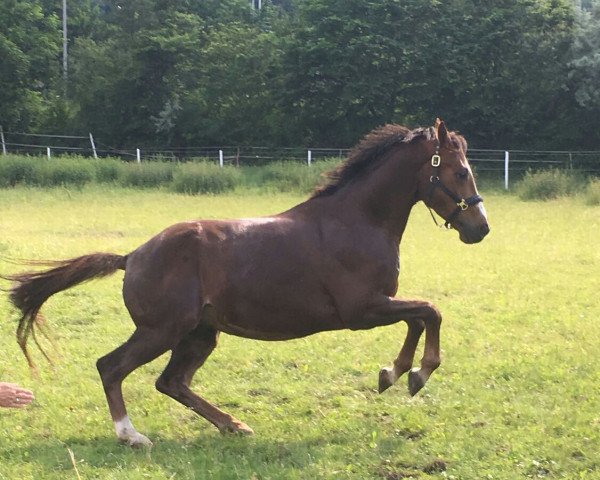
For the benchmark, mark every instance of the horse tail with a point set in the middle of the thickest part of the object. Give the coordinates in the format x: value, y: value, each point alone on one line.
x: 31, y: 289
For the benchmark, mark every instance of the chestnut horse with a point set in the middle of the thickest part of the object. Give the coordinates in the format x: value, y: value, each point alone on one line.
x: 329, y: 263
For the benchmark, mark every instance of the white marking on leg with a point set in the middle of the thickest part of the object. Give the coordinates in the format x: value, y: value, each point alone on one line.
x: 391, y: 373
x: 127, y: 433
x: 124, y: 428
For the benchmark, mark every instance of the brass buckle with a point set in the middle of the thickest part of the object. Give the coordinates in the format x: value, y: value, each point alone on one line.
x: 462, y: 204
x: 436, y: 160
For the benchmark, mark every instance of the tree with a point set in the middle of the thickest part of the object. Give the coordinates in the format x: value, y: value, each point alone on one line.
x: 496, y: 70
x: 146, y: 82
x: 232, y: 101
x: 124, y: 83
x: 341, y: 69
x: 585, y: 64
x: 29, y: 49
x: 510, y: 73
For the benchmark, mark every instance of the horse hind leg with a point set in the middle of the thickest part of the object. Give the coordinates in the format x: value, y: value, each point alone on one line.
x: 187, y: 356
x: 142, y: 347
x: 404, y: 362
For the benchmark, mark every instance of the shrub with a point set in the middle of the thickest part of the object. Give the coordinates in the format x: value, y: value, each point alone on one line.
x: 592, y: 192
x: 192, y: 178
x: 64, y: 171
x: 146, y: 175
x: 15, y: 170
x: 292, y: 176
x: 546, y: 184
x: 108, y: 170
x: 203, y: 177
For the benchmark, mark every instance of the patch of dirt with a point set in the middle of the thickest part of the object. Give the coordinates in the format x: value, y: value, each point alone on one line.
x: 398, y: 471
x: 438, y: 465
x: 410, y: 434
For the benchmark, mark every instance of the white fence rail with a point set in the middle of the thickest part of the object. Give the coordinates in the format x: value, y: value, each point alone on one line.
x: 505, y: 164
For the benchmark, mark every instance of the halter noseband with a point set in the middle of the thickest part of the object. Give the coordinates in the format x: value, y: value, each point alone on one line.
x: 436, y: 182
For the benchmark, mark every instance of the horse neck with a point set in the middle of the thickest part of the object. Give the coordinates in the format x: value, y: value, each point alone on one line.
x: 386, y: 195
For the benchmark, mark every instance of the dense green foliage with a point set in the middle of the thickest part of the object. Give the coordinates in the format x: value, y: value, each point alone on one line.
x: 192, y: 178
x: 195, y: 178
x: 585, y: 63
x: 516, y: 73
x: 292, y: 177
x: 202, y: 176
x: 592, y: 193
x: 515, y: 396
x: 29, y: 49
x: 548, y: 184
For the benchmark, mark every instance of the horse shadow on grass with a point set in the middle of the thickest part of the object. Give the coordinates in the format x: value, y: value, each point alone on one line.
x: 212, y: 455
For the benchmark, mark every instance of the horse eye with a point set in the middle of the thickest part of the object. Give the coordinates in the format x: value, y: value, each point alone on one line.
x: 463, y: 174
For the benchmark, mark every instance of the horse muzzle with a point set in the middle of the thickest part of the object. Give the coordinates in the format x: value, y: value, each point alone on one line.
x: 472, y: 233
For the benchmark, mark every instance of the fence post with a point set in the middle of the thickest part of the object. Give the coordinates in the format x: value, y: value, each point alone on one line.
x: 93, y: 145
x: 309, y: 158
x: 138, y: 155
x: 570, y: 161
x: 221, y: 158
x: 3, y: 143
x: 506, y: 159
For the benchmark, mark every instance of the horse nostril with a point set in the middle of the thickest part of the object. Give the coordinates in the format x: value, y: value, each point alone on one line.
x: 484, y: 229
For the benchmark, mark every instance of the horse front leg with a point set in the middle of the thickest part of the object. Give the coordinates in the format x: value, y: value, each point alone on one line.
x: 419, y: 316
x: 404, y: 362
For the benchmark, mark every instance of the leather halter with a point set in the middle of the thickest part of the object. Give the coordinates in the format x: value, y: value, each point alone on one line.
x: 436, y: 182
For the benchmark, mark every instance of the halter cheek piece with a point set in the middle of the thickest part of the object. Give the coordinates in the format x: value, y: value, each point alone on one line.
x: 436, y: 182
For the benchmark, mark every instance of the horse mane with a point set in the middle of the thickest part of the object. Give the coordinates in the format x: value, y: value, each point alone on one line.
x: 367, y: 155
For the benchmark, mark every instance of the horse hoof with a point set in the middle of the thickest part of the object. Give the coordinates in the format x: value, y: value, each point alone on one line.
x: 385, y: 379
x: 243, y: 429
x: 415, y: 382
x: 237, y: 427
x: 138, y: 441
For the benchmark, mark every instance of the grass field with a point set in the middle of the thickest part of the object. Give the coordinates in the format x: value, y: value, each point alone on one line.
x: 517, y: 395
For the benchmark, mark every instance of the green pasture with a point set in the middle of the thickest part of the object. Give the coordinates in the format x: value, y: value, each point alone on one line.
x: 517, y: 395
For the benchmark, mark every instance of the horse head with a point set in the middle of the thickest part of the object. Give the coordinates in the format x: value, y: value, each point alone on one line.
x: 447, y: 186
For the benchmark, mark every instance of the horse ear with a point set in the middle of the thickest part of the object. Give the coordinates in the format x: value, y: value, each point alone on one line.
x: 441, y: 131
